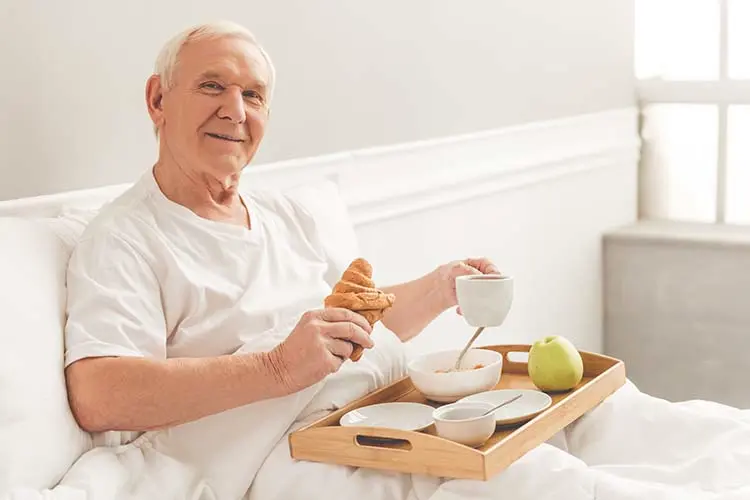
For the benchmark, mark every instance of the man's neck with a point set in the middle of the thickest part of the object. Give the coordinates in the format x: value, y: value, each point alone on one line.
x: 206, y: 196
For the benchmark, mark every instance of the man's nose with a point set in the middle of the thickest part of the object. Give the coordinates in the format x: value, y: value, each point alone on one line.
x: 232, y: 105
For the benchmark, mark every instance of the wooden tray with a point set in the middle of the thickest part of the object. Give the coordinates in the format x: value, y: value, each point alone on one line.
x: 426, y: 453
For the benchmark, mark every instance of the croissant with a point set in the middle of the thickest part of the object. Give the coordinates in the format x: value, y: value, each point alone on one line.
x: 356, y: 291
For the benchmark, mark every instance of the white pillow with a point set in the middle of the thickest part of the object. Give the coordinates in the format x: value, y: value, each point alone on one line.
x: 326, y: 219
x: 39, y: 438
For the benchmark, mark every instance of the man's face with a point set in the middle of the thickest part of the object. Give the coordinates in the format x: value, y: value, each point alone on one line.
x: 213, y: 118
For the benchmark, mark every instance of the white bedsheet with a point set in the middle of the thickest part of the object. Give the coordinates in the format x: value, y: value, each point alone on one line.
x: 631, y: 446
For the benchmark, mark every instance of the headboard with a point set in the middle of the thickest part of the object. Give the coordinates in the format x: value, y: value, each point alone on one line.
x: 52, y: 204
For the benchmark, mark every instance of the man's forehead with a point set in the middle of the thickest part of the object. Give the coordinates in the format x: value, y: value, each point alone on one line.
x: 227, y: 58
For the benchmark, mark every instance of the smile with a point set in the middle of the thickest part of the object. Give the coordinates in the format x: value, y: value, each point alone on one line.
x: 224, y: 137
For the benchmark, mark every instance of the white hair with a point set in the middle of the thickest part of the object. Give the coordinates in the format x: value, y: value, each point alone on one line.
x: 168, y: 58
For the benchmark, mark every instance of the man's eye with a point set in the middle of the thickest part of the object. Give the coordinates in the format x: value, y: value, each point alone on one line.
x: 252, y: 94
x: 211, y: 86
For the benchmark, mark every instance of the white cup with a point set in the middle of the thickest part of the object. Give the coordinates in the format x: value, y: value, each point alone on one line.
x: 465, y: 423
x: 484, y: 299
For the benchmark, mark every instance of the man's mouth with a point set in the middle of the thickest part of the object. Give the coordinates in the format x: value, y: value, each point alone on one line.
x: 225, y: 137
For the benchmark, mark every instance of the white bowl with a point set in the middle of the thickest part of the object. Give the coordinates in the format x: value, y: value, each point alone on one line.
x: 465, y: 422
x: 451, y: 386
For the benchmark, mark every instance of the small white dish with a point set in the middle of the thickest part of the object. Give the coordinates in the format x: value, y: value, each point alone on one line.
x: 432, y: 373
x: 465, y: 423
x: 529, y: 405
x: 404, y: 416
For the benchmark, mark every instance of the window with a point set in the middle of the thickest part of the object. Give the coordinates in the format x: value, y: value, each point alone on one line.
x: 692, y: 63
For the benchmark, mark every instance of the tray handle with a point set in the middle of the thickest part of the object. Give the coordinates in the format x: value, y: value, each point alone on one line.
x: 383, y: 437
x: 508, y: 364
x: 390, y: 449
x: 369, y: 441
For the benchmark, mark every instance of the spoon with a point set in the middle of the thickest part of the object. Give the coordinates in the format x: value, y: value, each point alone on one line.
x: 502, y: 404
x: 466, y: 348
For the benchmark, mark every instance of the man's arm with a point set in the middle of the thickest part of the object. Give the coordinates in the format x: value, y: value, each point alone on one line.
x: 141, y: 393
x: 418, y: 303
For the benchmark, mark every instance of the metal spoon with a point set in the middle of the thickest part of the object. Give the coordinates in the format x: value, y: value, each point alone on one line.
x: 502, y: 404
x: 466, y: 348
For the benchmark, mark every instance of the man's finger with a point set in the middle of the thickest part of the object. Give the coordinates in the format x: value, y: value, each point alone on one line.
x: 466, y: 269
x: 340, y: 348
x: 336, y: 361
x: 484, y: 265
x: 339, y: 314
x: 351, y: 332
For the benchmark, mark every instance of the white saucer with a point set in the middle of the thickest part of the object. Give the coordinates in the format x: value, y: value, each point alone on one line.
x: 529, y: 405
x: 398, y: 415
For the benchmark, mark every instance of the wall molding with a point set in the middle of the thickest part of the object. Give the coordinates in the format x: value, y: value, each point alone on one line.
x: 447, y: 194
x: 395, y: 180
x: 392, y: 181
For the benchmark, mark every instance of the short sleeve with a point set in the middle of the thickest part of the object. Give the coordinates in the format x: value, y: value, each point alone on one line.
x: 114, y: 303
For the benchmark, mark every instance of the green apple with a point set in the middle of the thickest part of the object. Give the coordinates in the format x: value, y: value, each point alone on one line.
x: 555, y: 364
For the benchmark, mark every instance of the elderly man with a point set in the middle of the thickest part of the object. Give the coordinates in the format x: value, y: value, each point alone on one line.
x: 189, y: 298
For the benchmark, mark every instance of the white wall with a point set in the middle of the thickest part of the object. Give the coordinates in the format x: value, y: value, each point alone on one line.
x: 545, y: 235
x: 351, y: 74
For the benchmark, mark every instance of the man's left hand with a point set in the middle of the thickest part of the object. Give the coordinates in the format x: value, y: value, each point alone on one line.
x: 446, y: 275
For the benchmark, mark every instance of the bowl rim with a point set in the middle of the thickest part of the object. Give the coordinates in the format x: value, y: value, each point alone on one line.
x: 410, y: 365
x: 436, y: 414
x: 485, y: 277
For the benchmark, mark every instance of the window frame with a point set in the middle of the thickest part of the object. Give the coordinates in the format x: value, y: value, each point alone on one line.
x: 722, y: 93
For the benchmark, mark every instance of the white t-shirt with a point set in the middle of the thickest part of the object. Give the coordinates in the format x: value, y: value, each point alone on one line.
x: 151, y: 278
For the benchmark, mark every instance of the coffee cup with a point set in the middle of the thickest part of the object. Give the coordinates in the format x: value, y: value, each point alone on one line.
x: 484, y: 299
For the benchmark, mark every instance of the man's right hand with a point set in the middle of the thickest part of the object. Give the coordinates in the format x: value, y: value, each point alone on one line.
x: 320, y: 343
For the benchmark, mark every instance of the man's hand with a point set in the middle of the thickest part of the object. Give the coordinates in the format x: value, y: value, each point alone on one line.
x: 445, y: 277
x: 420, y: 301
x: 320, y: 343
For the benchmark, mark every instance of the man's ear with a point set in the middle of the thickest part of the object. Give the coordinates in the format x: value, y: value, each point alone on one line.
x: 154, y: 95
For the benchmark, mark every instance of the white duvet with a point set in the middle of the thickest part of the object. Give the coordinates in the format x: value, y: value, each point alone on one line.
x: 632, y: 446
